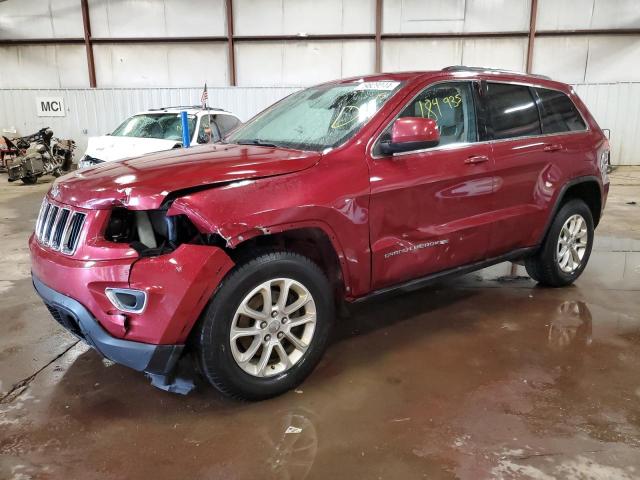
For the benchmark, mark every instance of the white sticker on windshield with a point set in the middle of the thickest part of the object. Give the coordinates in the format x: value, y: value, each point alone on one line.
x: 382, y: 85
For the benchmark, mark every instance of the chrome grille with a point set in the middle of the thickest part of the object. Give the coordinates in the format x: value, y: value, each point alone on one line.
x: 59, y: 228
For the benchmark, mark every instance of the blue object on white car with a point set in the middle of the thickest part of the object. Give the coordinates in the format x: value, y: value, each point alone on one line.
x: 157, y: 130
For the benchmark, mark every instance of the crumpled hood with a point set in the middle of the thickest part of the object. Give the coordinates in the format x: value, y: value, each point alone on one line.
x: 109, y: 148
x: 143, y: 183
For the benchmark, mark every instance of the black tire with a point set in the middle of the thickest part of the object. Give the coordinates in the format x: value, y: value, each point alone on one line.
x: 212, y: 335
x: 543, y: 266
x: 29, y: 180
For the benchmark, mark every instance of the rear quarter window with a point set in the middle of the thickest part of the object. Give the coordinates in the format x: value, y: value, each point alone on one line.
x: 511, y: 110
x: 558, y: 112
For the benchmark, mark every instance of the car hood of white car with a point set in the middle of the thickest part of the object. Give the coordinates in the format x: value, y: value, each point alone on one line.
x: 109, y: 148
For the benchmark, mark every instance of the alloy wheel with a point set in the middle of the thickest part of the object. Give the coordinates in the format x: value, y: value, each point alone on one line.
x: 572, y: 243
x: 273, y: 327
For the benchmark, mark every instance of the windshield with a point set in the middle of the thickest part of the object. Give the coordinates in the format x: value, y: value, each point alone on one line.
x: 167, y: 126
x: 317, y: 118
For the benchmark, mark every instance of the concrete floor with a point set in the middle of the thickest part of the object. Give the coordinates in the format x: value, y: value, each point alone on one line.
x: 488, y: 376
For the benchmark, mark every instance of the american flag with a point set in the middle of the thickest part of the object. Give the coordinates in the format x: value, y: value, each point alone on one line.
x: 204, y: 97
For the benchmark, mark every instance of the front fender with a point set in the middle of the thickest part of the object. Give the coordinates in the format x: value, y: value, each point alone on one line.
x: 244, y: 210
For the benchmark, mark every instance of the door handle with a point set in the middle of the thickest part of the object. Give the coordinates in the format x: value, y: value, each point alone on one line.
x: 476, y: 159
x: 552, y: 147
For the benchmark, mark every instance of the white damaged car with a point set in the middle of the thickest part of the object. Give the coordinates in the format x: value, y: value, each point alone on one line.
x: 157, y: 130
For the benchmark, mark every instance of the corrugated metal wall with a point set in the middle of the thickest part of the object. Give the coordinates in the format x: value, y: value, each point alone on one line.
x: 93, y: 112
x: 616, y: 106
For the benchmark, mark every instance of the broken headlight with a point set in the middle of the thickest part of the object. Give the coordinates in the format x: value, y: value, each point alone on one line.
x: 150, y: 232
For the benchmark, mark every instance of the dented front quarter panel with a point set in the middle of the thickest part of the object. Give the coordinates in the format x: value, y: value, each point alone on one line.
x: 332, y: 196
x: 178, y: 286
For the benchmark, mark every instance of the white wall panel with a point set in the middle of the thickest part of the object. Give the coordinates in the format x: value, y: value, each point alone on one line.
x: 616, y: 14
x: 614, y: 58
x: 37, y: 66
x: 161, y: 65
x: 153, y: 18
x: 587, y: 14
x: 300, y: 62
x: 430, y: 54
x: 497, y: 15
x: 93, y: 112
x: 592, y: 59
x: 291, y: 17
x: 507, y: 53
x: 561, y: 58
x: 616, y: 106
x: 444, y: 16
x: 564, y: 15
x: 422, y: 54
x: 40, y: 19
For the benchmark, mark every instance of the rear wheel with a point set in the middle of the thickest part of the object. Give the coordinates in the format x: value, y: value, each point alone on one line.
x: 567, y: 247
x: 266, y: 327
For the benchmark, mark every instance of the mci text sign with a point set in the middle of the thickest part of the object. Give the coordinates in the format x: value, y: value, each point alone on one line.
x: 50, y: 107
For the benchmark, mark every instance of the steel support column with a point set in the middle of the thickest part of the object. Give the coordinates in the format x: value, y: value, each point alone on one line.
x: 231, y: 55
x: 86, y: 22
x: 378, y: 65
x: 533, y: 16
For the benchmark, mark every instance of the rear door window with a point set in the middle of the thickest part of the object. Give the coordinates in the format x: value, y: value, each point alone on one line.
x: 558, y: 112
x: 511, y: 111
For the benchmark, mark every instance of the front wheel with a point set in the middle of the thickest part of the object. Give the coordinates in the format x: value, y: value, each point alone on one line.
x: 266, y: 327
x: 29, y: 180
x: 567, y: 247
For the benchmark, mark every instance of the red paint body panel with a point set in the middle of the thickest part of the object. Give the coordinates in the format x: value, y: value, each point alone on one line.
x: 84, y: 281
x: 428, y: 212
x: 317, y: 197
x: 178, y: 286
x: 142, y: 183
x: 389, y: 219
x: 414, y: 129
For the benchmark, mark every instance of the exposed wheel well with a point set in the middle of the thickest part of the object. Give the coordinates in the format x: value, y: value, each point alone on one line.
x: 589, y: 192
x: 312, y: 243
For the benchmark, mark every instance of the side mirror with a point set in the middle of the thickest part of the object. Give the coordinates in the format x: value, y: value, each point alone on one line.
x: 411, y: 133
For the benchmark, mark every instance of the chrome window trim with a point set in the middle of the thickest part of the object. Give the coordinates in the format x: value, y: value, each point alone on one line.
x: 453, y: 146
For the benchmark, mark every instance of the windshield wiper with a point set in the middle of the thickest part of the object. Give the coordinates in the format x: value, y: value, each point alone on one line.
x: 256, y: 141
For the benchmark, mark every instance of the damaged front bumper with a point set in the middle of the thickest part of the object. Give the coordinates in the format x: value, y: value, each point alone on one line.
x: 159, y: 360
x: 176, y: 286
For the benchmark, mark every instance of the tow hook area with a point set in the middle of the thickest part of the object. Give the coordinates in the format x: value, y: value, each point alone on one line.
x: 182, y: 380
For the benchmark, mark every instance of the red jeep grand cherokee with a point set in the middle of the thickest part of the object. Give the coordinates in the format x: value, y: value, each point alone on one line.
x: 239, y: 252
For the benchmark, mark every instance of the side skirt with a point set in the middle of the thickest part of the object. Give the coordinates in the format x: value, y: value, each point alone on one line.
x: 432, y: 278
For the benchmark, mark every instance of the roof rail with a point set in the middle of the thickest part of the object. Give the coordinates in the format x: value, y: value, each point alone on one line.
x: 186, y: 106
x: 464, y: 68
